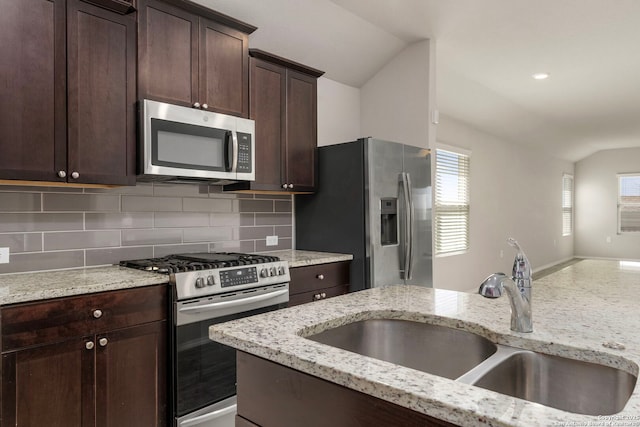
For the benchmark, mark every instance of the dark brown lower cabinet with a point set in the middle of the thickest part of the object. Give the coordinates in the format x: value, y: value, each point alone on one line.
x: 110, y: 373
x: 272, y: 395
x: 317, y: 282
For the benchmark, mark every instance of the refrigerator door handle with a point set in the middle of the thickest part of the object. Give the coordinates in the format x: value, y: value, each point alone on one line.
x: 408, y: 228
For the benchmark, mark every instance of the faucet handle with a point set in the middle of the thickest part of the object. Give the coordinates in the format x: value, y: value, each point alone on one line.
x: 521, y: 264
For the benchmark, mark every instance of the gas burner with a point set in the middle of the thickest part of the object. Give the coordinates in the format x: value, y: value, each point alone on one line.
x: 209, y: 273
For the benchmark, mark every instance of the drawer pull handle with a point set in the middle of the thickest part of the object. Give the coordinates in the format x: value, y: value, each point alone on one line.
x: 89, y: 345
x: 320, y: 276
x: 97, y: 314
x: 103, y: 342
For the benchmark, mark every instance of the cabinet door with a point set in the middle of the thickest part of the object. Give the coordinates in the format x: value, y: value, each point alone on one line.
x: 101, y: 48
x: 301, y: 131
x: 131, y: 375
x: 224, y: 69
x: 167, y: 53
x: 268, y: 103
x: 51, y: 385
x: 33, y: 95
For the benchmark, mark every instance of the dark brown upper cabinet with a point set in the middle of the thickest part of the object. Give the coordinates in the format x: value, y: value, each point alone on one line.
x: 192, y: 56
x: 283, y: 103
x: 68, y: 101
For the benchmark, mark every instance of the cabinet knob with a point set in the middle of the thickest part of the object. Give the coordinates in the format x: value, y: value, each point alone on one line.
x: 196, y: 105
x: 103, y: 342
x: 89, y: 345
x: 284, y: 185
x: 97, y: 314
x: 75, y: 175
x: 320, y: 276
x: 62, y: 174
x: 290, y: 185
x: 205, y: 106
x: 316, y: 297
x: 323, y: 294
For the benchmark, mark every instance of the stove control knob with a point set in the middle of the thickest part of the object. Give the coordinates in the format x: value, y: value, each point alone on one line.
x: 211, y: 281
x: 281, y: 271
x: 273, y: 271
x: 199, y: 282
x: 264, y: 273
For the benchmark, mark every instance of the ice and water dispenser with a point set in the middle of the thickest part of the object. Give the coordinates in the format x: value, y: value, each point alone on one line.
x: 389, y: 221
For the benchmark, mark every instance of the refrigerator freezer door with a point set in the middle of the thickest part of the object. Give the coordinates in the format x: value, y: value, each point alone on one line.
x: 384, y: 181
x: 417, y: 165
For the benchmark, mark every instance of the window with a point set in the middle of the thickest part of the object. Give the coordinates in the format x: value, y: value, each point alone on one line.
x: 451, y: 206
x: 567, y: 204
x: 628, y: 203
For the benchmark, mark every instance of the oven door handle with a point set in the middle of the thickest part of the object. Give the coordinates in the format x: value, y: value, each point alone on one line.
x: 232, y: 303
x: 200, y: 420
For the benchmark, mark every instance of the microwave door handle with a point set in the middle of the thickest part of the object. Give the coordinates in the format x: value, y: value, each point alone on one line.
x: 230, y: 151
x: 234, y: 152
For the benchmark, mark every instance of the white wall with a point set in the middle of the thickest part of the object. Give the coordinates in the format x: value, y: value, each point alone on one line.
x: 514, y: 191
x: 338, y: 112
x: 596, y: 189
x: 395, y: 103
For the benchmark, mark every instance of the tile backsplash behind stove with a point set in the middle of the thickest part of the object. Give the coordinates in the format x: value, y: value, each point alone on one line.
x: 52, y: 228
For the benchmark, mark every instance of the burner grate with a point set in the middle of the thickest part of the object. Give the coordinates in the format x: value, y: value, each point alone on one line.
x: 199, y: 261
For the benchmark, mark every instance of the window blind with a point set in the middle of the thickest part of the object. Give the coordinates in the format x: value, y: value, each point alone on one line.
x: 567, y: 205
x: 451, y: 205
x: 628, y: 203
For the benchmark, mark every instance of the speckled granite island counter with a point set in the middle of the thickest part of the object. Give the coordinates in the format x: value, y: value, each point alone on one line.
x: 575, y: 311
x: 25, y: 287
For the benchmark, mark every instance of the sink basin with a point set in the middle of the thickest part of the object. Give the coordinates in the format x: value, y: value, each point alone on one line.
x: 566, y: 384
x: 437, y: 350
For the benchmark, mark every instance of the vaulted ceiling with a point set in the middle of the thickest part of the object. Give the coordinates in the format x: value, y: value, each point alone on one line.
x: 486, y: 52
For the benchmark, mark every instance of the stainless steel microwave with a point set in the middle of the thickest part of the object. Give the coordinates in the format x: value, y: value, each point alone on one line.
x: 186, y: 144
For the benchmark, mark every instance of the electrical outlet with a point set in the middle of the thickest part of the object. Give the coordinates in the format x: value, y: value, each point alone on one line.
x: 272, y: 240
x: 501, y: 253
x: 4, y: 255
x: 608, y: 239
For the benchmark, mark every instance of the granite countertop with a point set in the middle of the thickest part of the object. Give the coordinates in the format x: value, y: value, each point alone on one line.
x: 299, y: 258
x: 575, y: 311
x: 23, y: 287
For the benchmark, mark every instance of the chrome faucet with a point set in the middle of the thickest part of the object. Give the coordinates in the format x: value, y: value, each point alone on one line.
x: 518, y: 288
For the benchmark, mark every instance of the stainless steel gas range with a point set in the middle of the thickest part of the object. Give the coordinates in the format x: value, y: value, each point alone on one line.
x: 210, y: 288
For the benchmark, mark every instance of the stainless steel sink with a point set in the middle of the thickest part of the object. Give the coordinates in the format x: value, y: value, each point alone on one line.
x: 437, y: 350
x: 566, y: 384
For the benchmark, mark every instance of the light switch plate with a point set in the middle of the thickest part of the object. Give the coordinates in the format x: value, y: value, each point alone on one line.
x: 272, y: 240
x: 4, y: 255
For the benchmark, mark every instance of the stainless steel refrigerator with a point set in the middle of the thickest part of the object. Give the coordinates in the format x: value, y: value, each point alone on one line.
x: 373, y: 201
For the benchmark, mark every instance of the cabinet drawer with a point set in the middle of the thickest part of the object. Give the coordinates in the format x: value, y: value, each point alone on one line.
x: 37, y: 323
x: 316, y: 295
x: 313, y: 277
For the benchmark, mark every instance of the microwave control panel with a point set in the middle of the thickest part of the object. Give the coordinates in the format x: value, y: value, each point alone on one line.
x: 244, y: 152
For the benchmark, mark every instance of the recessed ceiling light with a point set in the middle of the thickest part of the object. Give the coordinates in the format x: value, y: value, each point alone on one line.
x: 540, y: 76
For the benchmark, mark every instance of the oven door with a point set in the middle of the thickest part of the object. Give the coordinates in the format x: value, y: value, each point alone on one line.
x: 204, y: 370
